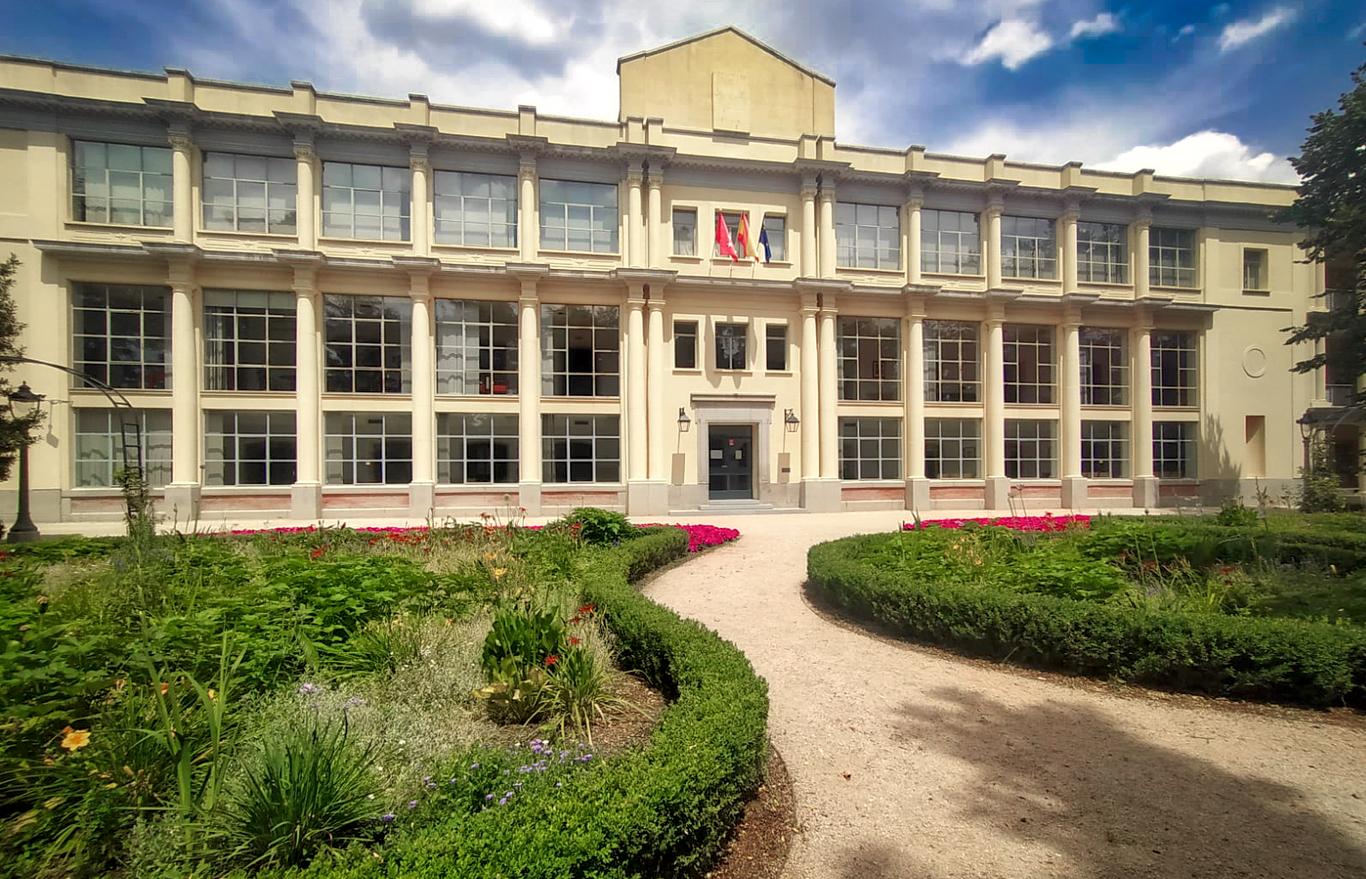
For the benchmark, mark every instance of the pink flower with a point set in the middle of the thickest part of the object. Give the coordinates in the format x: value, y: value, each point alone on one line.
x: 1044, y: 523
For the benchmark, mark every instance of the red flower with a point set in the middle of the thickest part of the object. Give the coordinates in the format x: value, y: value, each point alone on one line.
x: 573, y: 640
x: 551, y: 660
x: 317, y: 552
x: 585, y: 610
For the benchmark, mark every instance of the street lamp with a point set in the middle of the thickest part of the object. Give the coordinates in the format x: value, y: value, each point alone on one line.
x: 1307, y: 430
x: 23, y: 405
x: 791, y: 420
x: 683, y: 420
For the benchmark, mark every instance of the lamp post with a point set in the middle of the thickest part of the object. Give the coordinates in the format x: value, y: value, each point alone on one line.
x: 1306, y: 434
x: 23, y: 405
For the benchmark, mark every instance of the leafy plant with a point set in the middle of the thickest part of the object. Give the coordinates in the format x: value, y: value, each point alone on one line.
x: 1320, y: 491
x: 380, y: 647
x: 1232, y: 512
x: 601, y: 527
x: 521, y: 640
x: 578, y: 691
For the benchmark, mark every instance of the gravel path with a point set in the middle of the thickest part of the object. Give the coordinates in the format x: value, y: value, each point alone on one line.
x: 909, y: 762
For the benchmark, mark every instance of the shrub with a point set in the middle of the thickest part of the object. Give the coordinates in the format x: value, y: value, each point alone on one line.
x: 601, y: 527
x: 1232, y: 512
x: 1320, y: 491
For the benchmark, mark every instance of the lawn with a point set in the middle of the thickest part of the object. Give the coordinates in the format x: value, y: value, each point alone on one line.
x: 343, y: 700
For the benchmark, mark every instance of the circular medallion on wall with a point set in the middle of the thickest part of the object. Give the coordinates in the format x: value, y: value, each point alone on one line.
x: 1254, y: 361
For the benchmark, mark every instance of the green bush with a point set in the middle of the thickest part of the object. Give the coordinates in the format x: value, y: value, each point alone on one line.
x: 601, y: 527
x: 1246, y: 657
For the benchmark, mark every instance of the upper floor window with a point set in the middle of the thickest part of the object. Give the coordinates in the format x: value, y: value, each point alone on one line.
x: 118, y: 183
x: 476, y: 347
x: 368, y: 448
x: 950, y: 243
x: 951, y: 358
x: 1104, y: 367
x: 869, y: 358
x: 122, y: 335
x: 578, y: 216
x: 99, y: 445
x: 1029, y: 248
x: 1255, y: 275
x: 870, y: 448
x: 369, y: 341
x: 730, y: 345
x: 1171, y: 257
x: 580, y: 350
x: 1175, y: 365
x: 1102, y: 253
x: 366, y: 201
x: 775, y: 230
x: 476, y: 448
x: 249, y: 448
x: 867, y: 236
x: 248, y: 340
x: 1029, y: 364
x: 476, y: 210
x: 775, y: 347
x: 685, y: 344
x: 685, y: 231
x: 732, y: 221
x: 249, y: 194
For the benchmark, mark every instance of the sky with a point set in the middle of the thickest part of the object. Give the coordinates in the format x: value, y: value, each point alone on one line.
x: 1190, y: 88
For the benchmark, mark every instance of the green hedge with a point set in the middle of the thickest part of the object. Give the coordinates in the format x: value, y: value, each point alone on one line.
x: 1204, y: 541
x: 1278, y: 660
x: 662, y: 810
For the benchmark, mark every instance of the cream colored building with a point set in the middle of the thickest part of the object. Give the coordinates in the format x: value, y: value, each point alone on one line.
x: 326, y: 304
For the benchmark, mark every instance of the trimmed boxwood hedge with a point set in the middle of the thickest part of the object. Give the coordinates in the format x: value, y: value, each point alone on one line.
x: 1273, y: 659
x: 662, y: 810
x: 1203, y: 541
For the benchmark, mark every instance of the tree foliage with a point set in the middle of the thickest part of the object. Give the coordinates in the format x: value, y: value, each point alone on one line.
x: 1331, y: 209
x: 13, y: 432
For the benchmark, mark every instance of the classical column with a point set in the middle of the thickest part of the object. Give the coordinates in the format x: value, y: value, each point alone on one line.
x: 658, y: 433
x: 917, y: 488
x: 182, y: 494
x: 1068, y: 236
x: 993, y: 411
x: 306, y: 495
x: 826, y: 239
x: 810, y: 390
x: 829, y: 388
x: 529, y: 395
x: 995, y: 207
x: 422, y: 491
x: 1320, y: 374
x: 636, y: 456
x: 914, y: 206
x: 808, y: 267
x: 635, y: 228
x: 1142, y: 230
x: 654, y: 234
x: 422, y: 202
x: 1141, y: 414
x: 528, y: 235
x: 182, y: 189
x: 306, y: 193
x: 1069, y: 421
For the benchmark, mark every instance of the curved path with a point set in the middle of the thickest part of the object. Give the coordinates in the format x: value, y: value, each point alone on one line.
x: 909, y: 762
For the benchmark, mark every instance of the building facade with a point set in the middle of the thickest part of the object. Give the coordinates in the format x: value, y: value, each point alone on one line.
x: 321, y: 304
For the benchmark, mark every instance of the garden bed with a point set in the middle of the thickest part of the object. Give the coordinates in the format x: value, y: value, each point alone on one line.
x: 1272, y: 610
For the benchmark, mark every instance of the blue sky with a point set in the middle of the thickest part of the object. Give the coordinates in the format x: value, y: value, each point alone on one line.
x: 1190, y: 88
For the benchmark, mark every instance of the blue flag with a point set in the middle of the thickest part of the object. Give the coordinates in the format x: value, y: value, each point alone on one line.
x: 763, y: 242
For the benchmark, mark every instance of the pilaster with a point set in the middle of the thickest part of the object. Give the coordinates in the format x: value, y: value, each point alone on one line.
x: 529, y: 386
x: 915, y: 203
x: 1074, y: 492
x: 305, y: 202
x: 654, y: 234
x: 422, y: 491
x: 993, y: 409
x: 826, y: 238
x: 810, y: 389
x: 528, y: 232
x: 829, y: 390
x: 917, y: 486
x: 635, y: 225
x: 182, y: 189
x: 182, y: 493
x: 636, y: 457
x: 1142, y: 236
x: 655, y: 408
x: 808, y: 267
x: 1067, y: 234
x: 1141, y: 414
x: 306, y: 493
x: 421, y: 225
x: 994, y: 209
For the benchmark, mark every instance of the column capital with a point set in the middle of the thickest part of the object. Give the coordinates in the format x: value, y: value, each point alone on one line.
x: 304, y: 150
x: 656, y: 178
x: 180, y: 274
x: 1071, y: 209
x: 635, y: 174
x: 827, y: 191
x: 418, y: 157
x: 305, y: 280
x: 178, y: 136
x: 808, y: 187
x: 828, y: 308
x: 526, y: 165
x: 1144, y: 217
x: 915, y: 195
x: 655, y: 303
x: 810, y: 304
x: 995, y: 204
x: 635, y: 300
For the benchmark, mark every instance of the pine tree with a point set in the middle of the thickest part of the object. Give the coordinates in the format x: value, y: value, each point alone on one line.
x: 13, y: 432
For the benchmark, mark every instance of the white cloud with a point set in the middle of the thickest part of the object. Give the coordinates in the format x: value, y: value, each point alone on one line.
x: 1214, y: 154
x: 1246, y: 30
x: 1013, y: 41
x: 521, y: 20
x: 1102, y: 24
x: 1186, y: 30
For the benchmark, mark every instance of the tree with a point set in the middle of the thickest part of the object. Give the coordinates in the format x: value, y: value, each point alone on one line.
x: 1331, y: 209
x: 14, y: 432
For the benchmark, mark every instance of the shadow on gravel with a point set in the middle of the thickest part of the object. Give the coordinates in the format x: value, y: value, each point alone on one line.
x: 1105, y: 803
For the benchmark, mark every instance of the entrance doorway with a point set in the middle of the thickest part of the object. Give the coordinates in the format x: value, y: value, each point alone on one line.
x: 731, y: 461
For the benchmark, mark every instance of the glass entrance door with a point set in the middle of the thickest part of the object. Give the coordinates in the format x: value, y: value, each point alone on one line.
x: 731, y: 467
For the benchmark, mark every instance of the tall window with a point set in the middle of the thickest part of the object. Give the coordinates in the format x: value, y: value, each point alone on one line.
x: 580, y: 350
x: 1102, y: 253
x: 122, y: 335
x: 952, y: 358
x: 775, y: 347
x: 1029, y: 247
x: 366, y: 201
x: 732, y: 221
x: 1175, y: 369
x: 950, y: 243
x: 249, y: 193
x: 117, y: 183
x: 1031, y: 448
x: 249, y: 448
x: 1104, y: 367
x: 476, y: 210
x: 369, y: 342
x: 730, y: 345
x: 685, y: 231
x: 1171, y: 257
x: 775, y: 226
x: 368, y: 448
x: 248, y: 340
x: 1104, y: 449
x: 99, y: 446
x: 579, y: 216
x: 1255, y: 275
x: 685, y: 344
x: 870, y: 448
x: 1029, y: 369
x: 869, y: 358
x: 476, y: 347
x: 580, y: 448
x: 1174, y: 449
x: 953, y: 448
x: 476, y: 448
x: 867, y: 236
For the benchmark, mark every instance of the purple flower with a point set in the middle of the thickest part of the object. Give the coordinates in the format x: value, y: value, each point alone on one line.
x: 412, y: 804
x: 353, y: 702
x: 474, y: 765
x: 583, y: 758
x: 488, y: 798
x: 309, y: 689
x: 428, y: 783
x: 388, y: 817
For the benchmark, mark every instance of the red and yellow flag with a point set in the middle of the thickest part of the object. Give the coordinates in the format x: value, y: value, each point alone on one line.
x: 744, y: 240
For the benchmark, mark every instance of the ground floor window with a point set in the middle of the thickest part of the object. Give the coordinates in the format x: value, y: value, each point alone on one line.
x: 369, y: 448
x: 870, y: 448
x: 1104, y: 449
x: 1174, y: 449
x: 249, y: 448
x: 476, y: 448
x: 580, y: 448
x: 99, y: 446
x: 953, y: 448
x: 1031, y: 448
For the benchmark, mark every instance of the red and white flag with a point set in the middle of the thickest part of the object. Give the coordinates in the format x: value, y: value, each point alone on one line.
x: 723, y: 243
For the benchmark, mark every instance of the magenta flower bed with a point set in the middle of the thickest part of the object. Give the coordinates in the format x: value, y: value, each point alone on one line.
x: 1015, y: 523
x: 702, y: 536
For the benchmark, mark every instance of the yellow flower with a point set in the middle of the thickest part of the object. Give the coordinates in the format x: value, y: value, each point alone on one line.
x: 213, y: 694
x: 499, y: 572
x: 75, y: 739
x: 165, y: 688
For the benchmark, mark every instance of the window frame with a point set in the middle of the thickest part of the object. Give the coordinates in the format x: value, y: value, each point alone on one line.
x: 1184, y: 463
x: 932, y: 255
x: 1107, y: 261
x: 605, y: 382
x: 392, y: 379
x: 781, y: 342
x: 80, y: 177
x: 286, y: 227
x: 932, y: 351
x: 226, y: 375
x: 1096, y: 341
x: 1265, y: 269
x: 402, y: 196
x: 1105, y: 443
x: 1184, y: 359
x: 850, y: 246
x: 692, y: 237
x: 691, y: 348
x: 850, y: 347
x: 216, y: 454
x: 104, y: 369
x: 777, y: 240
x: 156, y: 468
x: 1013, y: 258
x: 550, y: 434
x: 350, y: 466
x: 442, y: 228
x: 611, y: 233
x: 1157, y: 247
x: 502, y: 428
x: 732, y: 219
x: 1040, y: 386
x: 451, y: 329
x: 723, y: 331
x: 1018, y: 440
x: 855, y: 432
x: 936, y: 438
